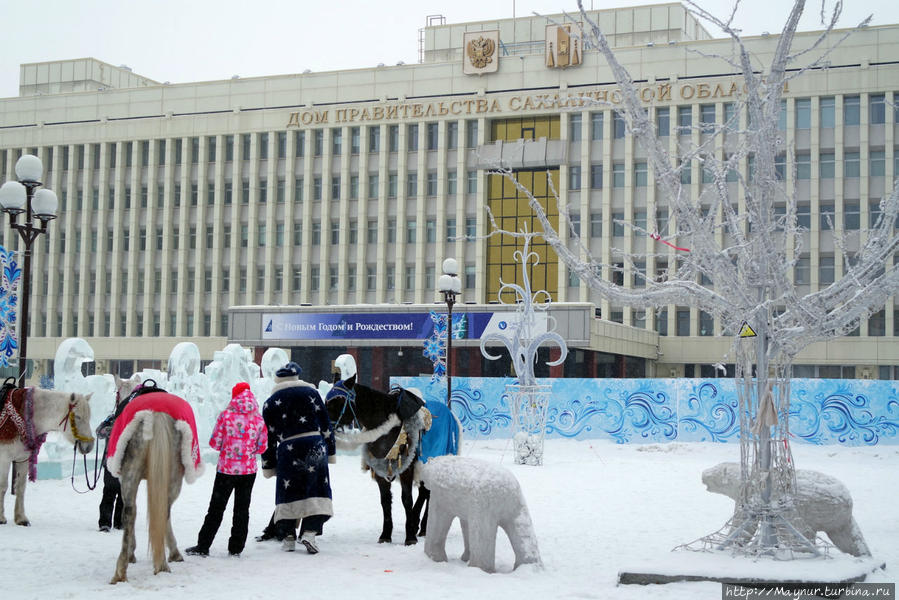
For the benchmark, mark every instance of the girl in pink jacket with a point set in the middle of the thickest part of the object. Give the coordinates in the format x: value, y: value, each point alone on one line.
x: 239, y: 435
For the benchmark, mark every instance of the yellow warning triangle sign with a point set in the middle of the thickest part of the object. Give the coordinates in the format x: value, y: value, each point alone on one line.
x: 746, y: 331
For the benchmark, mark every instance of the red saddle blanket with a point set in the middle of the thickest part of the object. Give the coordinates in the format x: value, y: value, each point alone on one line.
x: 137, y: 419
x: 12, y: 416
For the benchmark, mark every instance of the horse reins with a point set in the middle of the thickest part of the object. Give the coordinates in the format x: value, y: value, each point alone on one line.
x: 98, y: 464
x: 349, y: 402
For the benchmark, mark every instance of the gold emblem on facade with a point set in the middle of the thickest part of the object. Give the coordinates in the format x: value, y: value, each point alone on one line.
x: 480, y: 52
x: 562, y: 48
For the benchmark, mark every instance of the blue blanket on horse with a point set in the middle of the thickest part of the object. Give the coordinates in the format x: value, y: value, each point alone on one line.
x: 443, y: 436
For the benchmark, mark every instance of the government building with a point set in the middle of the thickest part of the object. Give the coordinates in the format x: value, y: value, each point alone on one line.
x: 255, y: 210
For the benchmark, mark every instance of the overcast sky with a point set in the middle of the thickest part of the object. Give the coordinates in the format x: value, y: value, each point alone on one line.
x: 183, y: 41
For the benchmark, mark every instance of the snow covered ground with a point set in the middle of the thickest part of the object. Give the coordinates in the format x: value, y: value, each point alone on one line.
x: 597, y: 507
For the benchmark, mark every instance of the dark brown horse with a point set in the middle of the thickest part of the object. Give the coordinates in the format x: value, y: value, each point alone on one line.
x: 389, y: 428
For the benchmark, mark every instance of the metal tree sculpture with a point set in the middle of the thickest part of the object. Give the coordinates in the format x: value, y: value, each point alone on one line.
x: 746, y: 243
x: 528, y: 399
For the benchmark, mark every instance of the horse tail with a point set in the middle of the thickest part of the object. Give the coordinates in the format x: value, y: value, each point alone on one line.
x: 159, y: 466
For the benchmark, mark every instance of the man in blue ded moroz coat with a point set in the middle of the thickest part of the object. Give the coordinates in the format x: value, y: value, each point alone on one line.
x: 300, y: 446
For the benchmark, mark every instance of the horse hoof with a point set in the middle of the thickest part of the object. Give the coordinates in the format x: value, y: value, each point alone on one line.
x: 25, y: 523
x: 3, y: 521
x: 163, y: 568
x: 132, y: 559
x: 421, y: 533
x: 176, y: 558
x: 116, y: 578
x: 411, y: 542
x: 384, y: 540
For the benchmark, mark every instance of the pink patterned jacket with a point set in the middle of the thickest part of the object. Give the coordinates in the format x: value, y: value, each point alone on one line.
x: 239, y: 435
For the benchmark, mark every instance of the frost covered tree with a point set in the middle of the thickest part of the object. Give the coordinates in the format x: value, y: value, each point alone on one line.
x: 744, y: 242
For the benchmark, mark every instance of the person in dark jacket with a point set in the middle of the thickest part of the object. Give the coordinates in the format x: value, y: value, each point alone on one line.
x: 300, y: 446
x: 111, y: 502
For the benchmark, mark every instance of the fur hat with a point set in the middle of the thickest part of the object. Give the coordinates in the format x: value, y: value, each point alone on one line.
x: 289, y: 372
x: 240, y: 387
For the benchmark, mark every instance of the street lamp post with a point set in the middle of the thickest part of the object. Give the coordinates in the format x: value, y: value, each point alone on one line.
x: 39, y: 206
x: 450, y: 286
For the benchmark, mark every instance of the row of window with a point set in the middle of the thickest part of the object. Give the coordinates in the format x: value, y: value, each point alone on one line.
x: 282, y: 143
x: 878, y: 106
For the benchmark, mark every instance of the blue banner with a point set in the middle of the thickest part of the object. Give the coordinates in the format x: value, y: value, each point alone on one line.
x: 372, y: 326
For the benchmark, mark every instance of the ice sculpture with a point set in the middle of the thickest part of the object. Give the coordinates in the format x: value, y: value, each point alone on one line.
x: 484, y: 496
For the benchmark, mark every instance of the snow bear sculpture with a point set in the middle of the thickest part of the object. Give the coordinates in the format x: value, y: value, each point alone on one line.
x: 823, y: 503
x: 484, y: 496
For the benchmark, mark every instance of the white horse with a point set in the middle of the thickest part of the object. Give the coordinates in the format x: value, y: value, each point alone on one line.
x: 49, y: 411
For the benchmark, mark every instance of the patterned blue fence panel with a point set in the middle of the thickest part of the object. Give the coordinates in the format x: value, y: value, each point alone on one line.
x: 822, y: 411
x: 707, y: 409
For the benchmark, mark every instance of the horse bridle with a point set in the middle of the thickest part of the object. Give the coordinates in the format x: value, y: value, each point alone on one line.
x: 349, y: 402
x: 98, y: 464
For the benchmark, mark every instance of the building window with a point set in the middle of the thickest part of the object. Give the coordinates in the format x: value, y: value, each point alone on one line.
x: 450, y: 228
x: 803, y: 113
x: 470, y: 276
x: 825, y: 270
x: 452, y: 135
x: 877, y: 163
x: 431, y: 231
x: 471, y: 185
x: 826, y: 165
x: 618, y: 175
x: 596, y: 224
x: 354, y: 187
x: 877, y: 109
x: 318, y: 142
x: 410, y: 277
x: 333, y: 278
x: 411, y: 184
x: 432, y: 183
x: 335, y: 187
x: 335, y: 233
x: 451, y: 182
x: 851, y: 110
x: 706, y: 324
x: 471, y: 134
x: 707, y: 117
x: 471, y: 227
x: 686, y: 173
x: 596, y: 176
x: 851, y: 215
x: 684, y: 119
x: 373, y: 185
x: 391, y: 277
x: 316, y: 233
x: 827, y: 112
x: 782, y: 116
x: 574, y: 178
x: 371, y: 278
x: 336, y: 141
x: 314, y: 276
x: 803, y: 165
x: 619, y: 125
x: 877, y: 324
x: 393, y: 138
x: 282, y: 144
x: 355, y: 139
x: 412, y: 137
x: 780, y: 166
x: 596, y: 126
x: 640, y: 174
x: 316, y: 188
x: 411, y: 226
x: 574, y: 128
x: 374, y: 139
x: 391, y: 231
x: 682, y: 322
x: 802, y: 271
x: 432, y: 136
x: 663, y: 122
x: 299, y: 141
x: 372, y: 231
x: 618, y: 224
x: 851, y: 165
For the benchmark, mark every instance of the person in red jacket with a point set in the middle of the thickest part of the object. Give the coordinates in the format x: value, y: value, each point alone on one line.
x: 239, y: 435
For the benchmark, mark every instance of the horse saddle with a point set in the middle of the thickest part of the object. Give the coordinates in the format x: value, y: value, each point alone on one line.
x: 12, y: 416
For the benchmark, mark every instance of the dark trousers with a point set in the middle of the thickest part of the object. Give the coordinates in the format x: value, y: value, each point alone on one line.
x: 313, y: 523
x: 111, y: 502
x: 242, y: 486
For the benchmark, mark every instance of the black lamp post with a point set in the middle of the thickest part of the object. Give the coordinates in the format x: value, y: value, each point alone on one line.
x: 39, y: 206
x: 450, y: 286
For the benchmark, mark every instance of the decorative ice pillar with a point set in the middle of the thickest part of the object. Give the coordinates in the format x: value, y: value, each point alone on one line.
x: 530, y: 327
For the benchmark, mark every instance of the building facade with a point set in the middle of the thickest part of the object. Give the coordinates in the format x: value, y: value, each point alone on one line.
x: 180, y: 202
